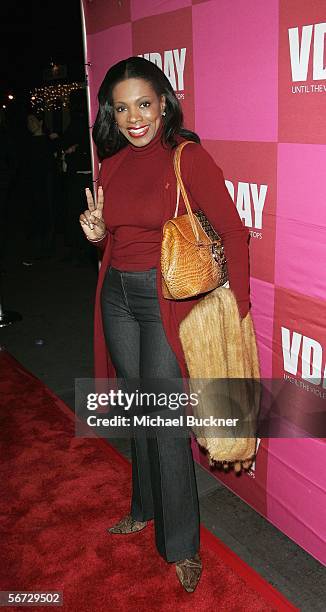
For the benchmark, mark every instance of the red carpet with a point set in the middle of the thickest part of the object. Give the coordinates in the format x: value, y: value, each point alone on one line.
x: 60, y: 493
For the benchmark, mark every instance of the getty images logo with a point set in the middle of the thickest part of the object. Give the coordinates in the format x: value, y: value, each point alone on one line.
x: 311, y: 42
x: 172, y: 62
x: 249, y: 199
x: 313, y: 369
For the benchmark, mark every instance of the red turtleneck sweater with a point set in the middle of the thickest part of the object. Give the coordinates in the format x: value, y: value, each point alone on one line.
x: 136, y: 206
x: 139, y: 196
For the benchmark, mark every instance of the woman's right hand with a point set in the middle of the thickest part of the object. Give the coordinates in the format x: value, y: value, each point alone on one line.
x: 91, y: 220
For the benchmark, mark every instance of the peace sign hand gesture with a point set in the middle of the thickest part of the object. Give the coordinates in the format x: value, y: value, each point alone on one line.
x: 91, y: 220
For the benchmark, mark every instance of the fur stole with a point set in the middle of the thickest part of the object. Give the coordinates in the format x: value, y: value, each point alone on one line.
x: 222, y: 359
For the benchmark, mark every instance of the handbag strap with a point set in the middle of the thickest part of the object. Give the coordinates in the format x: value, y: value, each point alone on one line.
x: 181, y: 187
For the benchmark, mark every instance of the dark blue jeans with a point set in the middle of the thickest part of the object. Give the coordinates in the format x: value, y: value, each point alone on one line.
x: 163, y: 475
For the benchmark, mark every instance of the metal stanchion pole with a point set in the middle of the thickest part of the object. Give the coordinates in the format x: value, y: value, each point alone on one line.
x: 7, y: 317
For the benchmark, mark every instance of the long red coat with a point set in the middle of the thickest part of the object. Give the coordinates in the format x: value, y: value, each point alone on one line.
x: 206, y: 189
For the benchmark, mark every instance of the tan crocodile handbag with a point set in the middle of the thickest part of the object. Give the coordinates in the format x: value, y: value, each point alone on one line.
x: 192, y: 253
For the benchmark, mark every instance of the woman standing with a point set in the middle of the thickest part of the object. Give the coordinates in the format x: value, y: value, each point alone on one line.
x: 138, y: 126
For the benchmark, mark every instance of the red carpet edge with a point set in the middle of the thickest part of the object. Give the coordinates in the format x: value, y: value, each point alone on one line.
x: 254, y: 580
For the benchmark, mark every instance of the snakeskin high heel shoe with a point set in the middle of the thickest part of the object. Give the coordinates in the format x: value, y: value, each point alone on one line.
x: 189, y: 572
x: 127, y: 525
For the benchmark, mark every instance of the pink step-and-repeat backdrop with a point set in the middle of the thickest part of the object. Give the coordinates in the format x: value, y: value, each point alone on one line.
x: 251, y: 78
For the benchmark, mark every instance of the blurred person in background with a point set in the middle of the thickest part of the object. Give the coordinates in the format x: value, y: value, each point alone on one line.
x: 39, y: 177
x: 76, y: 147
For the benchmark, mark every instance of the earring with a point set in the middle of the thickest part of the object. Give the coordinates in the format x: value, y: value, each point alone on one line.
x: 164, y: 113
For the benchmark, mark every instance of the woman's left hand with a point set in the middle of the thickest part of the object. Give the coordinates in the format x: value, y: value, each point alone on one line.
x: 238, y: 466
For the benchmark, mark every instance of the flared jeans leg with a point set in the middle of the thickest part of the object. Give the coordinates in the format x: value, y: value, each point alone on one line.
x: 163, y: 475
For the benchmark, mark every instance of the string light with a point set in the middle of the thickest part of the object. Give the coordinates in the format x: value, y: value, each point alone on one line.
x: 47, y: 98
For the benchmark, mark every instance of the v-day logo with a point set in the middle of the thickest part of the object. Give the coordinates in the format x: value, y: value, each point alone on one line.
x: 249, y: 199
x: 172, y: 62
x: 311, y: 44
x: 310, y: 351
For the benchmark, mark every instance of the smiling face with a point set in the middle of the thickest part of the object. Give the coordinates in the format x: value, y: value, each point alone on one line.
x: 137, y: 110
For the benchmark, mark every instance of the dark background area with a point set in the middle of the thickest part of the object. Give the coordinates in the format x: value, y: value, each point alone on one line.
x: 35, y: 36
x: 35, y: 33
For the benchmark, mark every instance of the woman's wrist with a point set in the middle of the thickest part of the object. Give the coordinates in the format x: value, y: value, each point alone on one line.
x: 99, y: 239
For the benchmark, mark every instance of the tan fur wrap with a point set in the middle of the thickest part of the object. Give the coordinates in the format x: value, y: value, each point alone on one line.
x: 218, y: 345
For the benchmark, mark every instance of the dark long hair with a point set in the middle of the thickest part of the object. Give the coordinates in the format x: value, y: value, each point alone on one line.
x: 107, y: 137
